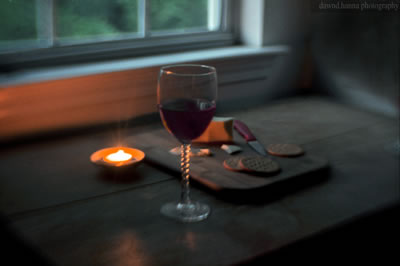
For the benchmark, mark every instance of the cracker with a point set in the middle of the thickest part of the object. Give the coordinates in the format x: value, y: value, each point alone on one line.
x: 232, y: 164
x: 259, y: 165
x: 285, y: 150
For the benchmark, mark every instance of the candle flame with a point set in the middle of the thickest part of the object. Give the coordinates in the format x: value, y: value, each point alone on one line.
x: 119, y: 156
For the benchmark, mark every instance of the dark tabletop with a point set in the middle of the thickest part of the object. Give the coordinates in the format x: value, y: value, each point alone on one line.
x: 68, y: 212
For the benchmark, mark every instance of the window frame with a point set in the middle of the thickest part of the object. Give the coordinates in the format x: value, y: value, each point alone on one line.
x: 118, y: 48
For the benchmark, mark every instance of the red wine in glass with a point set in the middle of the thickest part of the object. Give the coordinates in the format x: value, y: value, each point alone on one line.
x: 187, y: 119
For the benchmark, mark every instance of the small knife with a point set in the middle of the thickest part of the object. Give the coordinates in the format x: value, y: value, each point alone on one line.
x: 249, y: 137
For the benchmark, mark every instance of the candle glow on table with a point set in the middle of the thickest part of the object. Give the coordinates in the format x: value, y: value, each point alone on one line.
x: 119, y: 156
x: 116, y: 157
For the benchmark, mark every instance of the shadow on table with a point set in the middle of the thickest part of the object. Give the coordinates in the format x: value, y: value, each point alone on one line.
x: 121, y: 176
x: 15, y: 251
x: 368, y: 239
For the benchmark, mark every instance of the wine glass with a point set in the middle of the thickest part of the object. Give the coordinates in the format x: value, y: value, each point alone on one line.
x: 186, y: 97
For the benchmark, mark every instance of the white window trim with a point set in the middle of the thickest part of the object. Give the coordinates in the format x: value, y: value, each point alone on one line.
x: 251, y: 26
x: 63, y: 72
x: 143, y: 43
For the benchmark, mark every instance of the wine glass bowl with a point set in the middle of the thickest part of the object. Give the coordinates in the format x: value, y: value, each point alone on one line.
x: 186, y: 98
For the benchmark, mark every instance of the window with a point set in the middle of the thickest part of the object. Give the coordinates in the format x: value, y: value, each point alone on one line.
x: 79, y: 29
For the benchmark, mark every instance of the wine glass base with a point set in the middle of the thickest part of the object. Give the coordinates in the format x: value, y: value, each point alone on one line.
x: 186, y: 212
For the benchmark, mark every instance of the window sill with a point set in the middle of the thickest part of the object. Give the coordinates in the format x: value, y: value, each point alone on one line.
x: 84, y: 95
x: 63, y: 72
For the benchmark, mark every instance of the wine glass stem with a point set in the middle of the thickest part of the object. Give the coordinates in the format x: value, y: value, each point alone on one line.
x: 185, y: 164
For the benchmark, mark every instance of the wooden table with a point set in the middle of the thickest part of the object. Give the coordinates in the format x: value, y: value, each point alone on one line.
x: 59, y: 209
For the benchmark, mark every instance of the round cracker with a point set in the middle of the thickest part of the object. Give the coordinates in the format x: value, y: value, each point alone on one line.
x: 259, y: 164
x: 232, y: 164
x: 285, y: 150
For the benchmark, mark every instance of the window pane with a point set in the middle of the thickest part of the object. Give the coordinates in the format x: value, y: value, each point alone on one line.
x: 18, y: 22
x: 101, y: 18
x: 178, y: 15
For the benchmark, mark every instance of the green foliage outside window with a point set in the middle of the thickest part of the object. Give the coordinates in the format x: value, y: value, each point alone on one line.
x: 86, y: 18
x: 178, y: 14
x: 18, y: 20
x: 76, y: 18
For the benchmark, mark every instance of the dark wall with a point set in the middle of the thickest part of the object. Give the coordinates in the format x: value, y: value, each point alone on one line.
x: 356, y: 57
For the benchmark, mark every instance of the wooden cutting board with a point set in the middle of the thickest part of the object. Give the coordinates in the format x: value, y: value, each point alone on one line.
x: 210, y: 170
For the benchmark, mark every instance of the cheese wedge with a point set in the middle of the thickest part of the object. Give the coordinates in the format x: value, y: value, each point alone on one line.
x: 219, y: 130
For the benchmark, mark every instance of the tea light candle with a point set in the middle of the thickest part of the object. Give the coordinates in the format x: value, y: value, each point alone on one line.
x: 119, y: 156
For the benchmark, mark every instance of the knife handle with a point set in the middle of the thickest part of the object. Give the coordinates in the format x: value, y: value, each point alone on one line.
x: 243, y: 130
